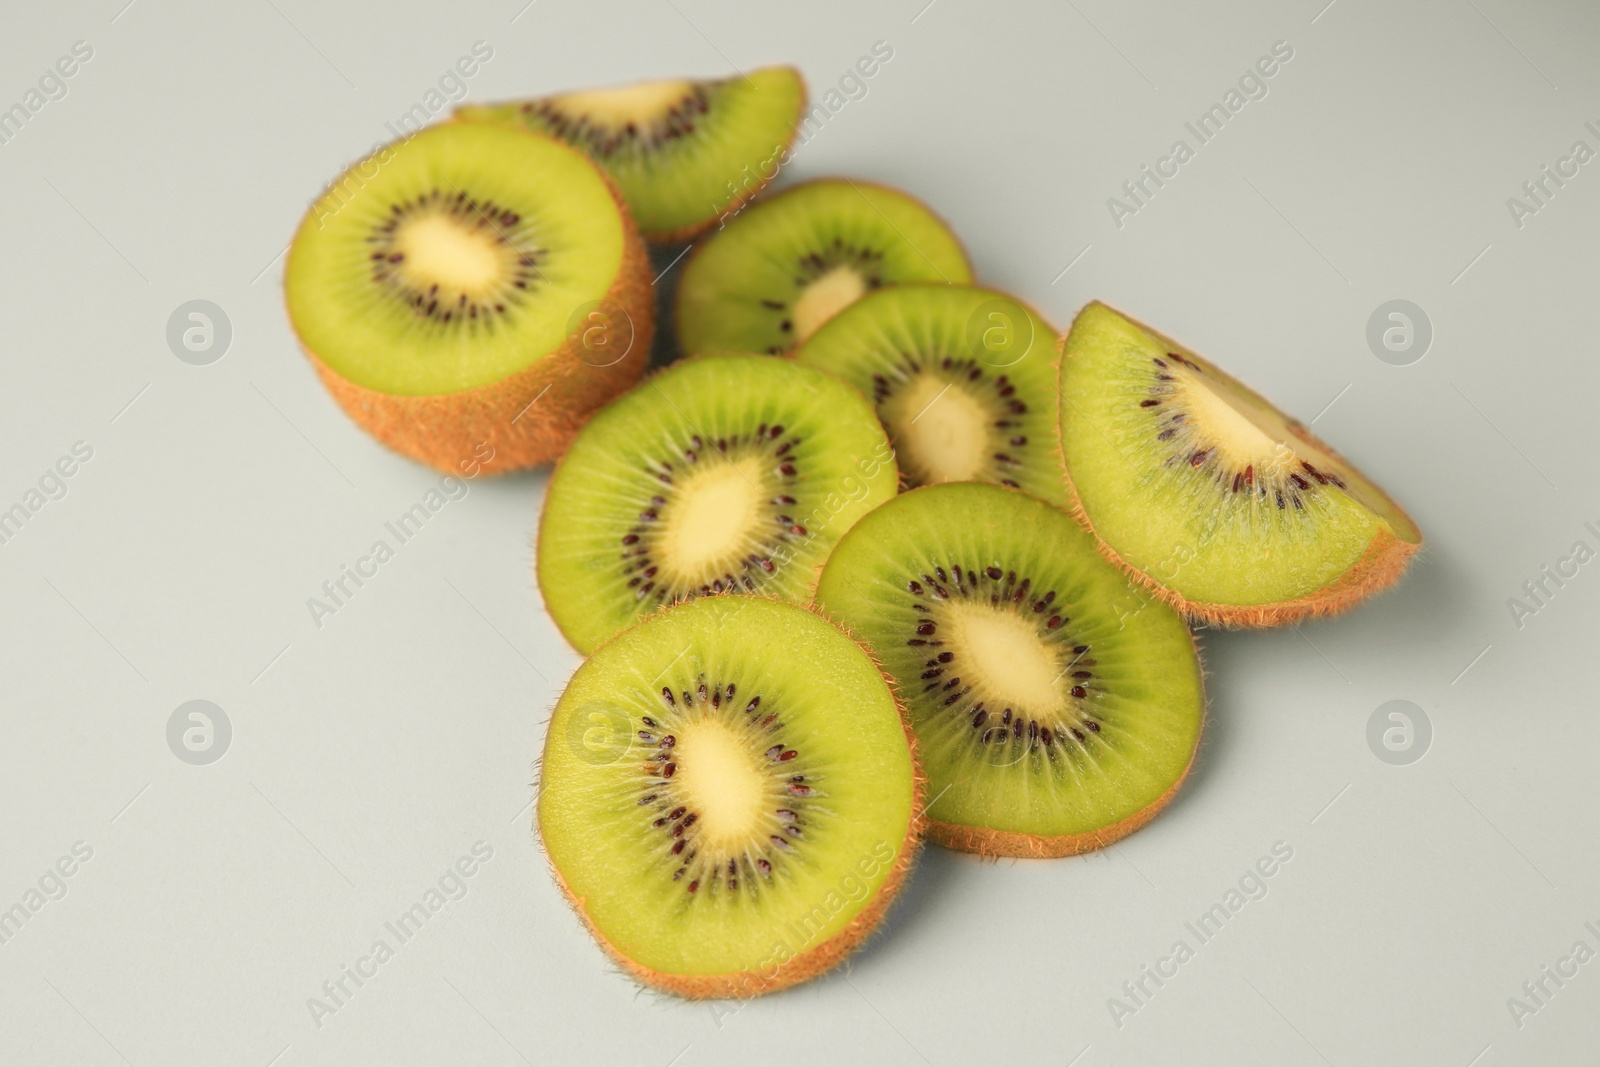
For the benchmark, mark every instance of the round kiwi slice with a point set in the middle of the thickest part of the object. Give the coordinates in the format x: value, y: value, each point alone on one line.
x: 471, y: 294
x: 684, y: 152
x: 790, y: 262
x: 1057, y: 706
x: 964, y: 380
x: 729, y: 796
x: 723, y: 473
x: 1221, y: 503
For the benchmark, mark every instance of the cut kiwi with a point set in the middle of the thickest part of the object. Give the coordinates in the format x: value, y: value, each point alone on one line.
x: 964, y: 380
x: 471, y: 294
x: 1226, y: 507
x: 685, y: 153
x: 729, y: 796
x: 723, y: 473
x: 1057, y: 705
x: 790, y: 262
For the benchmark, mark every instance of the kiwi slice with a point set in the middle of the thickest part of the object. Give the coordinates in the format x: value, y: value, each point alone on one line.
x: 1221, y: 503
x: 729, y: 473
x: 729, y: 796
x: 685, y: 153
x: 790, y: 262
x: 1057, y: 705
x: 471, y: 294
x: 964, y: 380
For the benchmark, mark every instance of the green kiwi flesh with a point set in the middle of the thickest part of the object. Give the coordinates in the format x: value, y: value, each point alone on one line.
x: 728, y: 796
x: 963, y: 378
x: 452, y: 259
x: 683, y: 152
x: 723, y: 473
x: 788, y: 263
x: 1231, y: 509
x: 1056, y: 704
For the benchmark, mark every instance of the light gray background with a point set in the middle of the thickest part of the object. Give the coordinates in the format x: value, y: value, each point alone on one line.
x: 369, y: 754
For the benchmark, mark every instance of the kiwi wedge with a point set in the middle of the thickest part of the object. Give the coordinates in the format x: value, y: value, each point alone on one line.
x: 789, y: 262
x: 729, y: 796
x: 471, y: 294
x: 684, y: 152
x: 726, y: 473
x: 1225, y: 506
x: 1057, y: 705
x: 964, y: 380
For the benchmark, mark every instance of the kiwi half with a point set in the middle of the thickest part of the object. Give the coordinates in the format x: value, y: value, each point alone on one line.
x: 1057, y: 706
x: 684, y: 152
x: 723, y: 473
x: 964, y: 380
x: 1226, y: 507
x: 471, y: 295
x: 791, y: 261
x: 729, y: 796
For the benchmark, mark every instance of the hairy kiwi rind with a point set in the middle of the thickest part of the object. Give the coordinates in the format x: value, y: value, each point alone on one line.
x: 813, y: 961
x: 1379, y: 567
x: 527, y: 418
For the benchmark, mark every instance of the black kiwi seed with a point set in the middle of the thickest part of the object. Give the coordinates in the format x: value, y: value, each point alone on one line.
x: 606, y: 141
x: 491, y: 222
x: 963, y: 583
x: 1285, y: 490
x: 640, y: 541
x: 678, y: 823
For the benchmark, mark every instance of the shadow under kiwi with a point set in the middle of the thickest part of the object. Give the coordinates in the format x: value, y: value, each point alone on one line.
x: 666, y: 266
x: 930, y: 879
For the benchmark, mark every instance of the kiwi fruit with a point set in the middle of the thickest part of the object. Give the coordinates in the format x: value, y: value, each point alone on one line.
x: 963, y: 378
x: 790, y: 261
x: 685, y: 153
x: 729, y: 796
x: 724, y: 473
x: 1223, y: 505
x: 470, y: 295
x: 1057, y: 705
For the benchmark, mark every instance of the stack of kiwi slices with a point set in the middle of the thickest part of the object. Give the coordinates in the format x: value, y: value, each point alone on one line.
x: 881, y: 559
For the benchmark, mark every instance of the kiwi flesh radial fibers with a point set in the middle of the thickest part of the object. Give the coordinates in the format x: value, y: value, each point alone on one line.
x: 784, y: 266
x: 471, y: 294
x: 963, y: 378
x: 1227, y: 508
x: 726, y: 473
x: 685, y: 153
x: 1057, y: 704
x: 729, y: 796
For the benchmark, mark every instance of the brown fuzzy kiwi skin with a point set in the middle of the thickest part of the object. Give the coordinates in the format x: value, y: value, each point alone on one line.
x: 527, y: 418
x: 813, y: 961
x: 700, y: 247
x: 1379, y: 567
